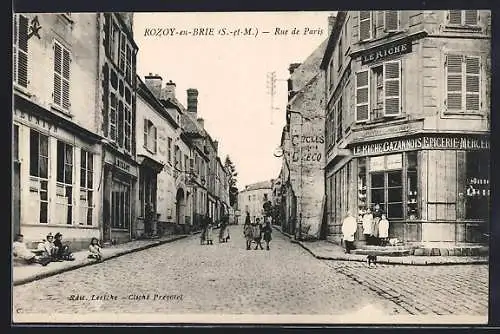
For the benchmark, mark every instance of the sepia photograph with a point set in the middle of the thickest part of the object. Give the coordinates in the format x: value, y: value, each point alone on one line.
x: 299, y: 167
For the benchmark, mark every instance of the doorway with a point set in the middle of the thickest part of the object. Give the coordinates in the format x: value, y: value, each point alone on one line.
x: 180, y: 206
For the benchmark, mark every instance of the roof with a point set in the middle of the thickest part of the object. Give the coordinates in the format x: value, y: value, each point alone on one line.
x: 259, y: 185
x: 339, y: 21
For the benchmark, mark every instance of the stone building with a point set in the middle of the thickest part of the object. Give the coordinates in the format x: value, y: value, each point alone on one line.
x: 252, y: 198
x: 57, y: 170
x: 408, y: 120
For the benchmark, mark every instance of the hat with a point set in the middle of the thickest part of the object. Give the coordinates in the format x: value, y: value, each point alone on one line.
x: 58, y: 235
x: 49, y: 235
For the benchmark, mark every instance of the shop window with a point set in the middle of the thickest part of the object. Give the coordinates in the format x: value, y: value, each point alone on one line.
x: 86, y: 187
x: 39, y: 161
x: 463, y: 82
x: 412, y: 186
x: 20, y: 50
x: 61, y: 76
x: 463, y: 17
x: 120, y: 199
x: 150, y: 136
x: 386, y: 187
x: 362, y: 196
x: 477, y: 185
x: 64, y: 185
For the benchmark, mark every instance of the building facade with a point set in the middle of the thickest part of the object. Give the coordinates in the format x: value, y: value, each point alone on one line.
x: 407, y: 124
x: 251, y: 200
x: 57, y: 169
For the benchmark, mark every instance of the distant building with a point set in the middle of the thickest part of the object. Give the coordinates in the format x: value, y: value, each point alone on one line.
x: 252, y: 198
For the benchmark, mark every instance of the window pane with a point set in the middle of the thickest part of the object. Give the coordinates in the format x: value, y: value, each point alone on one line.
x: 83, y: 159
x: 68, y: 174
x: 90, y: 180
x: 377, y: 196
x: 43, y: 196
x: 83, y: 177
x: 395, y: 195
x: 395, y: 210
x: 377, y: 180
x: 69, y: 154
x: 394, y: 179
x: 34, y: 153
x: 43, y: 212
x: 60, y: 161
x: 90, y: 162
x: 44, y: 168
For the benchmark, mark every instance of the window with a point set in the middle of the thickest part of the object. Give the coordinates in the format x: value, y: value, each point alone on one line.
x: 412, y: 185
x: 120, y: 113
x: 123, y: 47
x: 339, y: 120
x: 391, y: 20
x: 365, y: 25
x: 15, y: 143
x: 20, y: 51
x: 120, y: 205
x: 463, y: 17
x: 61, y: 75
x: 332, y: 73
x: 186, y: 162
x: 112, y: 117
x: 378, y: 91
x: 128, y: 70
x: 169, y: 150
x: 340, y: 54
x: 114, y: 41
x: 39, y: 163
x: 176, y: 157
x: 128, y: 129
x: 64, y: 185
x: 386, y: 184
x: 477, y: 185
x: 463, y: 81
x: 362, y: 205
x: 150, y: 136
x: 86, y: 187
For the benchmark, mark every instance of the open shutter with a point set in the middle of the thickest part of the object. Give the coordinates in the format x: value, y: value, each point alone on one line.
x: 455, y: 17
x: 57, y: 73
x: 392, y: 88
x: 472, y: 83
x: 145, y: 132
x: 112, y: 117
x: 123, y: 45
x: 471, y: 17
x: 22, y: 56
x: 454, y: 82
x: 65, y: 78
x: 340, y: 116
x: 155, y: 139
x: 362, y: 96
x: 365, y: 25
x: 391, y: 19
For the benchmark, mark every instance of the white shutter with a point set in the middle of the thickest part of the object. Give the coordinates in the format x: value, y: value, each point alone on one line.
x: 455, y: 17
x: 22, y: 51
x: 66, y: 60
x: 57, y: 74
x: 145, y: 132
x: 391, y: 19
x: 123, y: 45
x: 454, y: 82
x: 471, y: 17
x: 472, y: 83
x: 392, y: 88
x: 365, y: 25
x: 112, y: 117
x: 362, y: 95
x: 155, y: 139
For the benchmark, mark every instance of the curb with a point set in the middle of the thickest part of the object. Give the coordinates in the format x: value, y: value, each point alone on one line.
x: 395, y: 261
x: 89, y: 263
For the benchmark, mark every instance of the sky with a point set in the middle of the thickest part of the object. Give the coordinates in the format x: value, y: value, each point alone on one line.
x: 230, y: 73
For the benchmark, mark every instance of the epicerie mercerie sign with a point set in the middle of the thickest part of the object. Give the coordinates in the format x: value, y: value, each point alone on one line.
x: 424, y: 142
x: 391, y: 49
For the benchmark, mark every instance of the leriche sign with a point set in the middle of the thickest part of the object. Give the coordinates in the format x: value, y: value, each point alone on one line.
x: 391, y: 49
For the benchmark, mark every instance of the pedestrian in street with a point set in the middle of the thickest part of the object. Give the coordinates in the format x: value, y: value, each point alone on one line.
x: 267, y: 232
x: 204, y: 226
x: 95, y: 249
x: 367, y: 226
x: 383, y: 230
x: 349, y: 226
x: 248, y: 232
x: 247, y: 218
x: 24, y: 255
x: 257, y: 234
x: 63, y: 251
x: 209, y: 232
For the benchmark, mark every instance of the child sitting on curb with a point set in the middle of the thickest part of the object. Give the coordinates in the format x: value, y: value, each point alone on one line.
x: 95, y: 250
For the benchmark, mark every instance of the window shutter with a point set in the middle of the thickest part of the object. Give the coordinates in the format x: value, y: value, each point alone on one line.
x: 112, y: 118
x: 471, y: 17
x: 65, y: 78
x: 392, y: 88
x: 455, y: 17
x: 145, y: 132
x: 340, y: 116
x: 472, y: 83
x: 57, y: 73
x: 122, y: 51
x: 155, y: 139
x: 22, y: 56
x: 362, y: 96
x: 365, y: 25
x: 391, y: 18
x: 454, y: 82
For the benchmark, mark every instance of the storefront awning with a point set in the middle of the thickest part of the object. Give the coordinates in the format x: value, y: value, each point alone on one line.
x: 146, y: 161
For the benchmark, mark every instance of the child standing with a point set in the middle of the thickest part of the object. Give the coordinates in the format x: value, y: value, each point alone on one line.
x: 383, y: 230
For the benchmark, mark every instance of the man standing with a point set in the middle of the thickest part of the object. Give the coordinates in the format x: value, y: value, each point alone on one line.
x: 349, y: 226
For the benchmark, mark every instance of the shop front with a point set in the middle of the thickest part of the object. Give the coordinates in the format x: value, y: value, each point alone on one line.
x: 119, y: 197
x: 432, y: 187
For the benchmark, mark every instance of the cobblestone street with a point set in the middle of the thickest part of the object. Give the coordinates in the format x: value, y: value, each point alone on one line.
x: 226, y: 278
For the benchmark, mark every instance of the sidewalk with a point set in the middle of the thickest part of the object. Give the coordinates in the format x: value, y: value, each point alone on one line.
x: 33, y: 272
x: 325, y: 250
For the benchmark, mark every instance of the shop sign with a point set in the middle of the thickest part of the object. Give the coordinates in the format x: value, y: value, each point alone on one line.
x: 122, y: 165
x: 424, y: 142
x: 395, y: 161
x: 35, y: 120
x: 391, y: 49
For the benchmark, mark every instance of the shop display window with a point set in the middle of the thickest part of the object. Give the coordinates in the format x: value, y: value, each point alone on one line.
x: 412, y: 186
x: 362, y: 200
x: 477, y: 185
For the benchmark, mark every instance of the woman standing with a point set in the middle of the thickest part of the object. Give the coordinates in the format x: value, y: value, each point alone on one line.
x: 210, y: 227
x: 367, y: 226
x: 248, y: 232
x: 267, y: 232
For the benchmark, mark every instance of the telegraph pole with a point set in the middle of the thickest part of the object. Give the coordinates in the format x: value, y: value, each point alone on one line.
x: 271, y: 90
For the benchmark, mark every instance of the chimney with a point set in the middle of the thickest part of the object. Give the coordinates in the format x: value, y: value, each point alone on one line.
x: 169, y: 91
x: 293, y: 67
x: 192, y: 101
x: 153, y: 82
x: 331, y: 23
x: 201, y: 122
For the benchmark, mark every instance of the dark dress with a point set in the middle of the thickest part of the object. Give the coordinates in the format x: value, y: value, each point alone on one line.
x: 267, y: 232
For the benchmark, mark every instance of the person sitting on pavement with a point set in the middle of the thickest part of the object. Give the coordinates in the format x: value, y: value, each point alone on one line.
x: 95, y: 250
x: 21, y: 252
x: 48, y: 248
x: 349, y: 226
x: 257, y: 234
x: 63, y: 251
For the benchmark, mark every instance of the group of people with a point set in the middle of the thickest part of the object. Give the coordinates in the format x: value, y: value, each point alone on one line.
x: 51, y: 249
x: 256, y: 231
x: 375, y: 228
x: 206, y: 236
